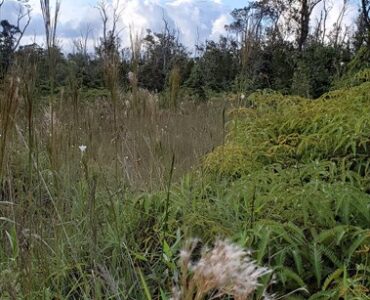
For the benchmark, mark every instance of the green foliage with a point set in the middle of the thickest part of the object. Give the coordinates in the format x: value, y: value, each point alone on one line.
x: 358, y: 64
x: 291, y: 180
x: 276, y: 66
x: 163, y: 53
x: 295, y: 130
x: 218, y: 65
x: 291, y: 183
x: 303, y: 168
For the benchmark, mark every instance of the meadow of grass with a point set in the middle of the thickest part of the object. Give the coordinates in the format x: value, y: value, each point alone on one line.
x: 98, y: 199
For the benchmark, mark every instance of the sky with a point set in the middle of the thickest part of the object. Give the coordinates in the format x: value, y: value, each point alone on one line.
x: 194, y: 20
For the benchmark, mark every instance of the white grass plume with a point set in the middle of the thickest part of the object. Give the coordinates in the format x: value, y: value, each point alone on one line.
x: 225, y: 269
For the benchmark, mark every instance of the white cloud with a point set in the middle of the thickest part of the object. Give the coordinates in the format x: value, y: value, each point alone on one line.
x: 74, y: 17
x: 193, y: 20
x: 218, y: 26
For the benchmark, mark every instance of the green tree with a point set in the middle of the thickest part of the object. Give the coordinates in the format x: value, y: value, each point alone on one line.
x: 301, y: 11
x: 365, y: 12
x: 162, y: 53
x: 217, y: 66
x: 11, y: 34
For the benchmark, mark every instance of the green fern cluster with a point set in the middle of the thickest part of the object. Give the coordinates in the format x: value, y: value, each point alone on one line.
x: 301, y: 175
x: 295, y: 130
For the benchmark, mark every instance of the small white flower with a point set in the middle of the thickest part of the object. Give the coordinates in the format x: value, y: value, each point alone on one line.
x: 242, y: 96
x: 82, y: 148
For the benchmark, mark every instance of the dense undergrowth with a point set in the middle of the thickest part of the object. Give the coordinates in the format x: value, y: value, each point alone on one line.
x: 304, y: 167
x: 291, y: 182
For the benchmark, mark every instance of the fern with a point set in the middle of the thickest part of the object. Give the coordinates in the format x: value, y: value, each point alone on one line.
x: 332, y: 277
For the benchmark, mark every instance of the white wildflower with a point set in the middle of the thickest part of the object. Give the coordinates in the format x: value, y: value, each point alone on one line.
x: 82, y: 148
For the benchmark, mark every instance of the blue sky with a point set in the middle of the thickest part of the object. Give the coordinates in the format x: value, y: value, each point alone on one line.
x: 194, y: 20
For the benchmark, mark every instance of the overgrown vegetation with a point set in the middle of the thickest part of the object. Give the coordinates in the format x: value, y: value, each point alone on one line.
x: 111, y: 163
x: 291, y: 182
x: 301, y: 169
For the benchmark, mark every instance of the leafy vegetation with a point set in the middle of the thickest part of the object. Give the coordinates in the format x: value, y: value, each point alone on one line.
x: 111, y: 163
x: 291, y: 182
x: 304, y: 166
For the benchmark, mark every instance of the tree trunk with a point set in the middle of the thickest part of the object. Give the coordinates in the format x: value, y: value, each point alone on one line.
x: 304, y: 24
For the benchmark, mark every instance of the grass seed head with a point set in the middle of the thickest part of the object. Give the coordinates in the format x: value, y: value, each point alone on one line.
x: 226, y: 269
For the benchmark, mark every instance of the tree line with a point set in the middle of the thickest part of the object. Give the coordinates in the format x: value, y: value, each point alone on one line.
x: 270, y: 44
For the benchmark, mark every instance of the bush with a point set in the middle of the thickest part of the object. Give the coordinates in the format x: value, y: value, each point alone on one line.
x: 301, y: 197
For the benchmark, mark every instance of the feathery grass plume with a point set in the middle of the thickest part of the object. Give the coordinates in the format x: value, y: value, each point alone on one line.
x: 135, y: 43
x: 225, y: 270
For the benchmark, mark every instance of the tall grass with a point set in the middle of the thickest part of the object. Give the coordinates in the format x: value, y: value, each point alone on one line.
x: 65, y: 231
x: 135, y: 42
x: 305, y: 216
x: 8, y: 107
x: 287, y: 183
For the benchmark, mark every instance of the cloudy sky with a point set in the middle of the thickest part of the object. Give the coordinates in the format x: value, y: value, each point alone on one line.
x: 195, y: 20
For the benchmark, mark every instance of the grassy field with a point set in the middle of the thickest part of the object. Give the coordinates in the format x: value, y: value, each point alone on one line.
x: 98, y: 207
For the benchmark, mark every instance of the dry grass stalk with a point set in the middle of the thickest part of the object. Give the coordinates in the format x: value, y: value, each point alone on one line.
x: 110, y: 56
x: 174, y: 82
x: 135, y: 42
x: 225, y: 270
x: 50, y: 25
x: 108, y: 280
x: 8, y: 108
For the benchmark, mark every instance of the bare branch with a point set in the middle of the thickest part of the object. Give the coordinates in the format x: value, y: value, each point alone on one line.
x: 102, y: 8
x: 321, y: 23
x: 49, y: 22
x: 338, y: 24
x: 22, y: 14
x: 81, y: 42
